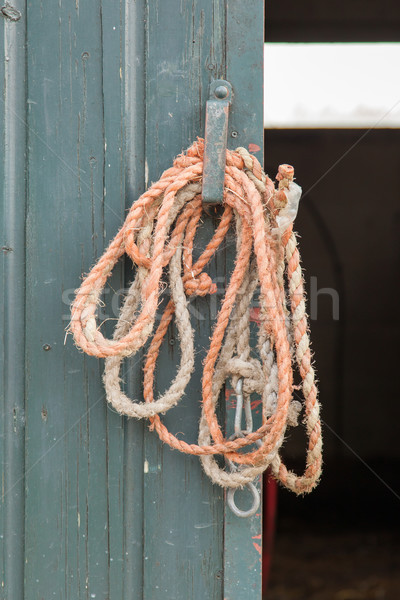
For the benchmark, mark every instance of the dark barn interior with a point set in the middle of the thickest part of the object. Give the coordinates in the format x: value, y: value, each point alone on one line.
x: 342, y: 541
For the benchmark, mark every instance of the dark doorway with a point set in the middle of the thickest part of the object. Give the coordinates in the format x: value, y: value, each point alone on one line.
x: 340, y: 542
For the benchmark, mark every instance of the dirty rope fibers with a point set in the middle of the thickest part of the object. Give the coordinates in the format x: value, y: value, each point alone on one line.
x: 158, y: 235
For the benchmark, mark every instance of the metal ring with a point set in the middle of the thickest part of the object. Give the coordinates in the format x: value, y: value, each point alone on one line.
x: 244, y: 513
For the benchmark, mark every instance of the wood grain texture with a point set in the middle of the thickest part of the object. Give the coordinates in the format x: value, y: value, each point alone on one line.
x: 183, y: 511
x: 244, y: 56
x: 74, y: 446
x: 113, y: 91
x: 12, y: 277
x: 134, y: 119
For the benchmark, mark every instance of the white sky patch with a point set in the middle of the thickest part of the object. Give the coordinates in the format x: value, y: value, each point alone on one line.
x: 332, y: 85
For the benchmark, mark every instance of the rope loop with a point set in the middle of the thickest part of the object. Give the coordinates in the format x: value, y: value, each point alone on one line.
x: 158, y: 236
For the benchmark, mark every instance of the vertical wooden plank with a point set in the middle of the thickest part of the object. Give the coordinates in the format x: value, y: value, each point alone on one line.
x: 12, y: 217
x: 73, y: 449
x: 113, y: 36
x: 3, y: 255
x: 183, y: 511
x: 134, y: 118
x: 244, y: 55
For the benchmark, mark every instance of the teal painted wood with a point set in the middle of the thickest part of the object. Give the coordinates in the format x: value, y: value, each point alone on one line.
x: 12, y: 277
x: 113, y: 96
x: 134, y: 110
x: 3, y: 255
x: 112, y: 37
x: 183, y: 511
x: 245, y: 38
x: 74, y: 446
x: 177, y: 88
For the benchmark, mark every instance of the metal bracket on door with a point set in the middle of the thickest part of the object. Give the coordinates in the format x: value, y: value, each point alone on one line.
x: 215, y: 141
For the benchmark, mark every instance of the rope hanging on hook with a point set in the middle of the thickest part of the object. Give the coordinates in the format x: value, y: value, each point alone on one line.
x: 159, y: 232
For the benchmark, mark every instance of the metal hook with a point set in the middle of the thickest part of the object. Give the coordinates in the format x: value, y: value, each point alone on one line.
x: 215, y: 141
x: 239, y: 432
x: 240, y: 402
x: 239, y: 406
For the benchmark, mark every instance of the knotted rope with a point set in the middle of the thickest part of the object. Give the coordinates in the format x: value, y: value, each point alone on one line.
x: 159, y: 232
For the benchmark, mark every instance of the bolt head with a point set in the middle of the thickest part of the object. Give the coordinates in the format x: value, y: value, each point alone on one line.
x: 221, y: 92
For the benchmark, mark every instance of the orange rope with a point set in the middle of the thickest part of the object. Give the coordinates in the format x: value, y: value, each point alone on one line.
x: 251, y: 197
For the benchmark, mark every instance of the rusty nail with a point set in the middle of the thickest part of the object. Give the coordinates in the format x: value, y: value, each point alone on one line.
x: 46, y: 347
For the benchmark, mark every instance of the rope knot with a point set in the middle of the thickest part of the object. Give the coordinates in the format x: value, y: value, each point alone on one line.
x: 200, y: 285
x: 250, y: 371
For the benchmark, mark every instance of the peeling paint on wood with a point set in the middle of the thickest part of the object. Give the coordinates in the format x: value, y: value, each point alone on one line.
x: 10, y: 12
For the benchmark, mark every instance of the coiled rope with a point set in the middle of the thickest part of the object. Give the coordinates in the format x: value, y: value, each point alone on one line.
x: 159, y: 232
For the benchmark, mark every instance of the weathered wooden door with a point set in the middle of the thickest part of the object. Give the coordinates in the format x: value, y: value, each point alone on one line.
x: 97, y: 98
